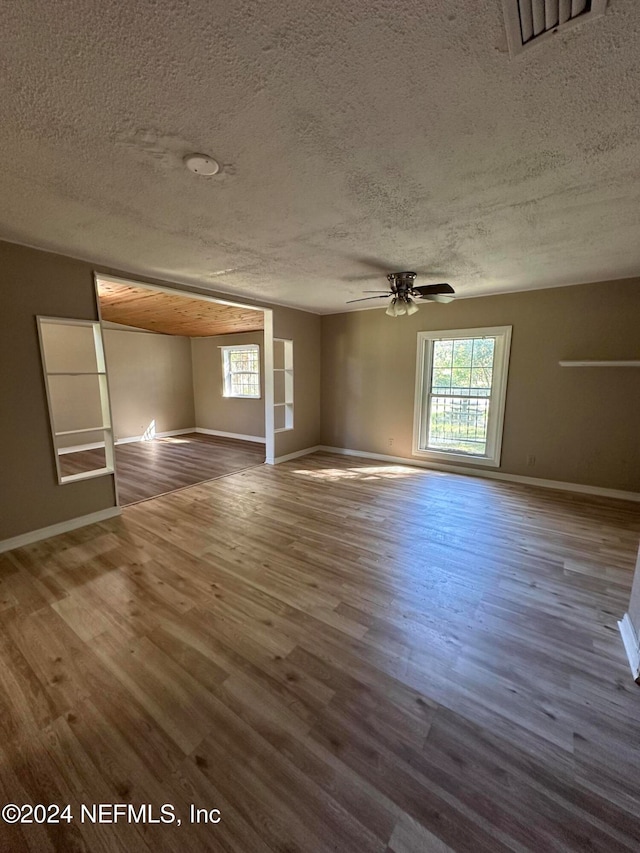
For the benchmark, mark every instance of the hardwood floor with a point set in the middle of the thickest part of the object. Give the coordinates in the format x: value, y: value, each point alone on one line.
x: 339, y: 655
x: 146, y: 469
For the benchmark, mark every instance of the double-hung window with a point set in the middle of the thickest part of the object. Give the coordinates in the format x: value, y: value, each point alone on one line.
x: 461, y: 384
x: 241, y: 371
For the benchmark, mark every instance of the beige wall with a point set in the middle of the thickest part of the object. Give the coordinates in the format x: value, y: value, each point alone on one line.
x: 149, y: 380
x: 305, y: 332
x: 33, y: 283
x: 212, y: 409
x: 581, y: 424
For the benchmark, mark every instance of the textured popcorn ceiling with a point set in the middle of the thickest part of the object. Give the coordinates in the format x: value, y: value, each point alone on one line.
x: 394, y: 130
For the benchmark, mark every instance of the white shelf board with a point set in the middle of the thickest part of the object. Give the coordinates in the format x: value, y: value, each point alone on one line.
x: 79, y: 431
x: 599, y: 363
x: 86, y: 475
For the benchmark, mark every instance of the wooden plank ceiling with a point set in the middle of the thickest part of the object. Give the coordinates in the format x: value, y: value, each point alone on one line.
x: 173, y: 314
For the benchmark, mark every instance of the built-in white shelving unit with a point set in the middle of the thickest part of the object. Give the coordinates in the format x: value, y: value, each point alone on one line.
x: 587, y: 363
x: 77, y: 391
x: 282, y: 384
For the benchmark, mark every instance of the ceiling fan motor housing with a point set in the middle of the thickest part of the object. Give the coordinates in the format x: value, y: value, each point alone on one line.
x: 402, y: 282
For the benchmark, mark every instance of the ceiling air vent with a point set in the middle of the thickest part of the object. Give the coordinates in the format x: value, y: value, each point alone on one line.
x: 533, y: 21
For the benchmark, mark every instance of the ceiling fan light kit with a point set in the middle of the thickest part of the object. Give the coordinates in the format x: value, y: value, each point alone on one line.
x: 400, y: 306
x: 404, y: 292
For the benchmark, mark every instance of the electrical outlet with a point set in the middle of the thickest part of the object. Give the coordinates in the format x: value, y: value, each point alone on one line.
x: 531, y: 460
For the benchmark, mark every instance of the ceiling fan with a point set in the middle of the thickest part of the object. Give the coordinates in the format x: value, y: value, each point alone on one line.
x: 404, y: 292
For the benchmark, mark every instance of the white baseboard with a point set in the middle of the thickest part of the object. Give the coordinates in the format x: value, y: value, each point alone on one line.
x: 295, y: 455
x: 56, y: 529
x: 260, y: 439
x: 78, y: 448
x: 492, y: 475
x: 631, y: 644
x: 132, y: 438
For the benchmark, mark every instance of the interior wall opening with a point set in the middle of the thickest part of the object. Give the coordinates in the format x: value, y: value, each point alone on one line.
x: 171, y: 423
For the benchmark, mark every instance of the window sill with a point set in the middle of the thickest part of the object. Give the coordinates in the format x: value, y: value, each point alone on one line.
x: 239, y: 397
x: 444, y: 456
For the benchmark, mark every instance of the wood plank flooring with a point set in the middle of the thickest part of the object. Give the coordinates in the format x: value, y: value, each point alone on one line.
x: 146, y: 469
x: 339, y: 655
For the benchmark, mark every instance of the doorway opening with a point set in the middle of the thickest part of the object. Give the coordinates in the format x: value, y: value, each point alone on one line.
x: 190, y: 388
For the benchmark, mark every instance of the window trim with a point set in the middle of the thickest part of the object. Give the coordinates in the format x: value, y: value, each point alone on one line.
x: 495, y: 426
x: 226, y: 375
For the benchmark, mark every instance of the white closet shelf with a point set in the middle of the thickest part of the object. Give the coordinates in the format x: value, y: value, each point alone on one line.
x: 78, y: 431
x: 86, y: 475
x: 587, y: 363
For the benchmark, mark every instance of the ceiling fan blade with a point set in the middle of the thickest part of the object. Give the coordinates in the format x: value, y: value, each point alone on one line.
x: 364, y: 298
x: 434, y: 288
x: 436, y: 297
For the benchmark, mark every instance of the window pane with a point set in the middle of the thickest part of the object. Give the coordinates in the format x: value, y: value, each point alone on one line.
x: 442, y: 353
x: 458, y: 425
x: 481, y: 378
x: 460, y: 380
x: 244, y: 384
x: 243, y: 360
x: 441, y: 379
x: 483, y: 349
x: 462, y: 353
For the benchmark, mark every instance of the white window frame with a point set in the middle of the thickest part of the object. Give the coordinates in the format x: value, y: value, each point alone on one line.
x: 227, y: 373
x: 497, y: 398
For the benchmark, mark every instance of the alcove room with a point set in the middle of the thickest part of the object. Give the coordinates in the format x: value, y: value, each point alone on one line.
x: 166, y: 390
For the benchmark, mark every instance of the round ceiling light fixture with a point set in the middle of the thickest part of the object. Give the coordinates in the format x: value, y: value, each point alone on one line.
x: 201, y: 164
